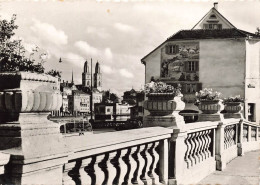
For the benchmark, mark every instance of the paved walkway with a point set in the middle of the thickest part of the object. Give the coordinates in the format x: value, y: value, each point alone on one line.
x: 240, y: 171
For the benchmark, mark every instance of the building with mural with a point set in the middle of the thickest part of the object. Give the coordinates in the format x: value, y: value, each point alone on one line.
x: 213, y: 54
x: 79, y: 103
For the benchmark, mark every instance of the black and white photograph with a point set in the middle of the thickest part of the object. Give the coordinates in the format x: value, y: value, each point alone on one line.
x: 121, y: 92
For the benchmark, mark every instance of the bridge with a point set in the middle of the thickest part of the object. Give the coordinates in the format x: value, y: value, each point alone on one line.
x: 166, y: 151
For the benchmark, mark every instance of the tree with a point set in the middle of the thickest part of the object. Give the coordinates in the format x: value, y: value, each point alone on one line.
x: 12, y: 52
x: 257, y: 31
x: 110, y: 97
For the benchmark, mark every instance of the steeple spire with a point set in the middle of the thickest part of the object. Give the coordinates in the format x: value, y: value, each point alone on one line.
x: 72, y: 77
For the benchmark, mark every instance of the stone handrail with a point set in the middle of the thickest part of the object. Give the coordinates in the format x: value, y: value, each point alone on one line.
x: 119, y: 159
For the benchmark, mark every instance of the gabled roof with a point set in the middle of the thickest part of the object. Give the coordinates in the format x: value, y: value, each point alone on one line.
x: 218, y: 14
x: 210, y: 34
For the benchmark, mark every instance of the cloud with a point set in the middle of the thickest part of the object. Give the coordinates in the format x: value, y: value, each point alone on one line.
x: 106, y: 69
x: 49, y: 33
x: 74, y: 59
x: 100, y: 32
x: 108, y: 54
x: 124, y: 27
x: 125, y: 73
x: 86, y: 49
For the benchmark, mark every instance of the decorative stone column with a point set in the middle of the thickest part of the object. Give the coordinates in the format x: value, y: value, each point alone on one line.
x: 164, y: 111
x: 35, y: 144
x: 220, y: 154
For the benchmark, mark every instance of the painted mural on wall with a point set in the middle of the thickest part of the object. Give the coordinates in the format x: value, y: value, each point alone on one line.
x: 180, y: 61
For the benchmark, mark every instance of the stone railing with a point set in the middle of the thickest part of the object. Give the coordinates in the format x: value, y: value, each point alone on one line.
x: 33, y: 151
x: 139, y: 158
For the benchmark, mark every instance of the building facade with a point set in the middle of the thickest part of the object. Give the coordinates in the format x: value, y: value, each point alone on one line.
x: 213, y: 54
x: 79, y: 103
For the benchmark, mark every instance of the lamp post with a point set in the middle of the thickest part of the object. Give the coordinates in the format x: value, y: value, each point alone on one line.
x: 91, y: 94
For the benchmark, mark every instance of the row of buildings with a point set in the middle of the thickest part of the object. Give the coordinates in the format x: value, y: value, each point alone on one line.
x: 76, y: 98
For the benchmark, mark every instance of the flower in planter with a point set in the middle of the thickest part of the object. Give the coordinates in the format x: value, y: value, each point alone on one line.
x: 207, y: 94
x: 161, y: 87
x: 233, y: 99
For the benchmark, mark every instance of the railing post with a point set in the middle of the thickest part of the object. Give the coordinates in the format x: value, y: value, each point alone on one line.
x: 163, y: 161
x: 176, y: 157
x: 35, y: 144
x: 220, y: 155
x: 249, y: 133
x: 240, y: 139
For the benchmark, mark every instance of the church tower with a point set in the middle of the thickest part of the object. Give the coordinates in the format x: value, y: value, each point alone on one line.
x: 86, y: 78
x: 97, y: 77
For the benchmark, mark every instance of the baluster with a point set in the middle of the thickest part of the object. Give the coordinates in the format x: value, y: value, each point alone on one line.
x: 143, y: 163
x: 187, y: 154
x: 208, y: 143
x: 123, y: 167
x: 89, y: 176
x: 98, y: 169
x: 155, y: 161
x: 131, y: 165
x: 74, y: 172
x: 149, y: 157
x: 225, y: 138
x: 66, y: 178
x: 108, y: 168
x: 192, y: 149
x: 200, y: 146
x: 203, y: 142
x: 136, y: 176
x: 196, y: 148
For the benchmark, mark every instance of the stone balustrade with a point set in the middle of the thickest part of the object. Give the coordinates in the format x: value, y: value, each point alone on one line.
x: 136, y: 159
x: 33, y: 151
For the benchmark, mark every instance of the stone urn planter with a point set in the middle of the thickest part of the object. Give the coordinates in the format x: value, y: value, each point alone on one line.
x: 233, y: 107
x: 164, y: 110
x: 211, y: 106
x: 22, y: 92
x: 162, y: 104
x: 210, y: 110
x: 233, y: 110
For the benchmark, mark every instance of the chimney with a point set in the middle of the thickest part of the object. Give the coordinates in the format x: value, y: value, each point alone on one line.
x: 216, y: 5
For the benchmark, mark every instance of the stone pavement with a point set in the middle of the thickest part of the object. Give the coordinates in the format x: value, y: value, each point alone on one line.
x: 240, y: 171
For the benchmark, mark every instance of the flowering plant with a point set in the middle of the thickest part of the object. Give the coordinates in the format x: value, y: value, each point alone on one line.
x: 233, y: 99
x: 161, y: 87
x: 207, y: 94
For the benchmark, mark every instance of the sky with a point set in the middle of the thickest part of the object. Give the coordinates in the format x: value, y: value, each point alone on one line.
x: 115, y: 33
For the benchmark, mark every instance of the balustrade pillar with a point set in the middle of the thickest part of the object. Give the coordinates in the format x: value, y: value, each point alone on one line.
x: 177, y: 150
x: 163, y: 161
x: 36, y: 145
x: 220, y: 154
x: 240, y: 150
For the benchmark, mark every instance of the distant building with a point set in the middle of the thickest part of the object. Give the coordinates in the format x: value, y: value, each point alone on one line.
x: 79, y: 103
x: 112, y: 111
x: 135, y: 99
x: 213, y: 54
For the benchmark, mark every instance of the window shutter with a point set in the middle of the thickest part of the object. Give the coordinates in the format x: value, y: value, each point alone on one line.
x: 186, y: 66
x: 196, y: 65
x: 167, y: 49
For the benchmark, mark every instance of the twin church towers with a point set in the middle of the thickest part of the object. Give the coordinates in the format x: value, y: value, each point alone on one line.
x: 86, y: 76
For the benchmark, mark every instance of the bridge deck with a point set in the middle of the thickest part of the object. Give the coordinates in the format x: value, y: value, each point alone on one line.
x: 240, y: 171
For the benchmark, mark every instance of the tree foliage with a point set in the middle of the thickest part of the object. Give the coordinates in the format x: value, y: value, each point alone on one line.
x: 13, y: 54
x: 109, y: 97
